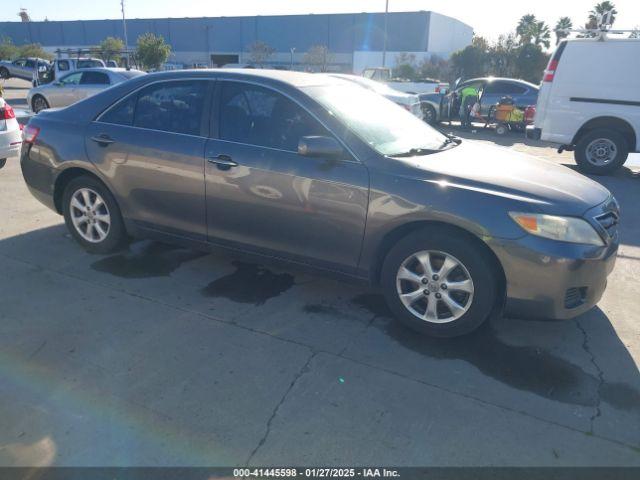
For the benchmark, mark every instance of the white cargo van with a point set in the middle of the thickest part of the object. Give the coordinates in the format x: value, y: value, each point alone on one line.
x: 589, y: 102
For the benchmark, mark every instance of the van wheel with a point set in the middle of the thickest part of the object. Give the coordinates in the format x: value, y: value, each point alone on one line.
x: 439, y: 283
x: 39, y: 103
x: 601, y: 151
x: 92, y: 215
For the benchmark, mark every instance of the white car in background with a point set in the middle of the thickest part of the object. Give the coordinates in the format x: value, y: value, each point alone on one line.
x: 10, y: 134
x: 77, y: 85
x: 407, y: 101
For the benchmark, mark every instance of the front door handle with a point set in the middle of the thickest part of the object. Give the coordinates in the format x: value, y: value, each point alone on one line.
x: 224, y: 162
x: 103, y: 140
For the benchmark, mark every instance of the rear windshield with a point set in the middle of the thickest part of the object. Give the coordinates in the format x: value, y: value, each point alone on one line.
x: 90, y: 64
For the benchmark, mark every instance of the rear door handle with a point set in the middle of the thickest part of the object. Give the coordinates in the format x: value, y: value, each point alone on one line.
x: 103, y: 140
x: 224, y: 162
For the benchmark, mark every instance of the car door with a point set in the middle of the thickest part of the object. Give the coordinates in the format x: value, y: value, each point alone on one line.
x: 262, y: 193
x: 19, y: 68
x: 495, y: 90
x: 150, y: 146
x: 63, y: 92
x: 91, y: 82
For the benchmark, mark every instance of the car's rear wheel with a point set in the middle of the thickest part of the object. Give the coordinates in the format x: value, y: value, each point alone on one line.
x: 429, y: 114
x: 39, y: 103
x: 601, y: 151
x: 3, y: 162
x: 439, y: 282
x: 92, y: 215
x: 4, y: 73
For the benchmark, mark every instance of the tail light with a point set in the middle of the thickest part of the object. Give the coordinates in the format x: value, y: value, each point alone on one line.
x: 30, y: 133
x: 550, y: 72
x: 7, y: 113
x: 438, y: 89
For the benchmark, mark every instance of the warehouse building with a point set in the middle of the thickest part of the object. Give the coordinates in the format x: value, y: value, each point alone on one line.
x: 355, y: 41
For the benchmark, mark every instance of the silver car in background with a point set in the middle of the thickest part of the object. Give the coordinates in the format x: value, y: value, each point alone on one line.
x: 407, y: 101
x: 76, y: 86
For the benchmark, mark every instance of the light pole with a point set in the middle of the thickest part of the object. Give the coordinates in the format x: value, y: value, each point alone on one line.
x: 384, y: 51
x: 293, y: 50
x: 126, y: 40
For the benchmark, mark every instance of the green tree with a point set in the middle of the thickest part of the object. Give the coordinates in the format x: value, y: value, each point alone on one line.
x: 525, y: 27
x: 472, y: 61
x: 260, y: 52
x: 33, y: 50
x: 111, y: 48
x: 405, y: 66
x: 502, y: 55
x: 152, y: 51
x: 532, y: 30
x: 563, y: 24
x: 530, y: 62
x: 8, y: 50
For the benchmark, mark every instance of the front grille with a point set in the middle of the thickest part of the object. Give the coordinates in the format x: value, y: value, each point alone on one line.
x: 609, y: 221
x: 574, y: 297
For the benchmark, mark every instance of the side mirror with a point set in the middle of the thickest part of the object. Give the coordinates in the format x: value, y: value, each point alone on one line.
x: 317, y: 146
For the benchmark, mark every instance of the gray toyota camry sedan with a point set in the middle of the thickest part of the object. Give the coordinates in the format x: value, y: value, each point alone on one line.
x: 323, y: 172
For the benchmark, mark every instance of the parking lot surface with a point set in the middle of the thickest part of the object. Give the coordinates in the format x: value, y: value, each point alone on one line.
x: 162, y: 356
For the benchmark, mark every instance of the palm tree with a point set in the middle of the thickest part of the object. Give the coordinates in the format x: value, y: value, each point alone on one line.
x: 563, y: 24
x: 540, y: 34
x: 523, y: 30
x: 600, y: 9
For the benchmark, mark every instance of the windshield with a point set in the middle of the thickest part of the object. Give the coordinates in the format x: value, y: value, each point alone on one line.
x: 388, y: 128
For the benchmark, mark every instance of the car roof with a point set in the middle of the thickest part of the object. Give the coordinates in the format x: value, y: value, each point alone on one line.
x: 296, y: 79
x: 501, y: 79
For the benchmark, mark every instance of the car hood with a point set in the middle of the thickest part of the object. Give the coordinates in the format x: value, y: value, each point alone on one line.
x: 547, y: 186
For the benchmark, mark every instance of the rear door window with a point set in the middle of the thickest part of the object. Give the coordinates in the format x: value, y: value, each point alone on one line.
x: 63, y: 65
x: 122, y: 112
x: 176, y: 106
x: 94, y: 78
x: 71, y: 79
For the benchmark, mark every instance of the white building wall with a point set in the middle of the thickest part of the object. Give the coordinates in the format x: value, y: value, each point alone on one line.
x: 447, y: 35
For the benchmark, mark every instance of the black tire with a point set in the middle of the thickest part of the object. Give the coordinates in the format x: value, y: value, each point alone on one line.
x: 3, y: 162
x: 478, y: 265
x: 4, y: 73
x: 39, y: 103
x: 582, y: 156
x: 429, y: 113
x: 116, y: 233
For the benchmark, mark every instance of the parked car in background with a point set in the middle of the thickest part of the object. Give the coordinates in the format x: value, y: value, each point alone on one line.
x: 10, y: 134
x: 491, y: 90
x: 431, y: 105
x: 407, y: 101
x: 61, y: 66
x: 76, y: 86
x: 415, y: 87
x: 320, y: 171
x: 24, y: 68
x: 590, y: 102
x: 111, y: 64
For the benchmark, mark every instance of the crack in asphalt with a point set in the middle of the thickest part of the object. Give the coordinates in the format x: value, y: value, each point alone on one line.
x: 318, y: 351
x: 301, y: 372
x: 592, y: 358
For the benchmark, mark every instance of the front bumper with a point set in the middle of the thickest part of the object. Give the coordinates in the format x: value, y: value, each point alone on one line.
x: 546, y: 279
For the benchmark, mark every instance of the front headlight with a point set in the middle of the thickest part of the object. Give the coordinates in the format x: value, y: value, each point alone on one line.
x: 565, y: 229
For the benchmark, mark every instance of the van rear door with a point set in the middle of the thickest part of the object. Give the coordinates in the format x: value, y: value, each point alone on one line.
x: 547, y: 84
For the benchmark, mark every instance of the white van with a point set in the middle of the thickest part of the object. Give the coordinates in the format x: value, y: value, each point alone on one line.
x: 589, y: 102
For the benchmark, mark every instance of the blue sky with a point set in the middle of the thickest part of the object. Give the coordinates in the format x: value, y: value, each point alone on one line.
x: 488, y: 17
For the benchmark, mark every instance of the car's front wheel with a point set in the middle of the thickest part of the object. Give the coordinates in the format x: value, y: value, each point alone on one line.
x: 601, y: 151
x: 439, y: 282
x: 92, y: 215
x: 429, y: 114
x: 3, y: 162
x: 4, y: 73
x: 39, y: 103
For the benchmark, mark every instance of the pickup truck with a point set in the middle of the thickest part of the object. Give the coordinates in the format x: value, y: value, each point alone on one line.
x: 62, y: 66
x: 419, y: 87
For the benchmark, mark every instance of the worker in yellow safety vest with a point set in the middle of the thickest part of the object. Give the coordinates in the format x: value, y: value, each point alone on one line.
x: 468, y: 97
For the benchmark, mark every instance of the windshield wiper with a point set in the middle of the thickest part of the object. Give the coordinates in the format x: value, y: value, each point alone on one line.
x: 415, y: 152
x: 450, y: 140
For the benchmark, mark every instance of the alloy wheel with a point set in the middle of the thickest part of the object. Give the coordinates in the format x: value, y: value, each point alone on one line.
x: 434, y: 286
x: 39, y: 104
x: 90, y: 215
